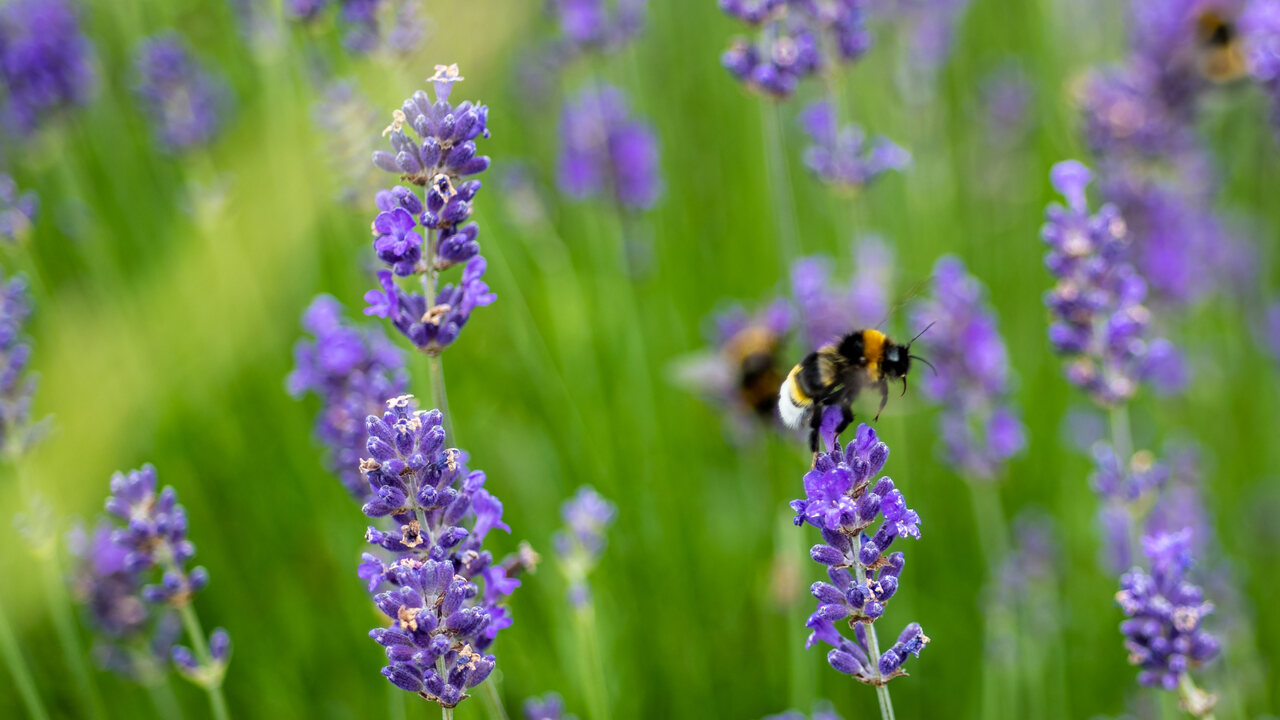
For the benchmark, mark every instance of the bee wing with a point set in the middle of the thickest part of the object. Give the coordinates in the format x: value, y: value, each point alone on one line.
x: 702, y: 373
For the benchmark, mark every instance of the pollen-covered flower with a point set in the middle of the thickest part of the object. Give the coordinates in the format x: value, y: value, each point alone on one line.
x: 1100, y: 322
x: 44, y: 62
x: 981, y: 429
x: 1164, y: 632
x: 353, y: 371
x: 587, y: 515
x: 604, y: 148
x: 844, y: 500
x: 185, y: 104
x: 442, y: 623
x: 444, y: 135
x: 17, y: 209
x: 152, y: 538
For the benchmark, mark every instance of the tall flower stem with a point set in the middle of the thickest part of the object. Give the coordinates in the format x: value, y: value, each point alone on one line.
x: 162, y: 697
x: 882, y: 688
x: 1122, y: 443
x: 191, y: 622
x: 493, y: 701
x: 590, y: 663
x: 435, y: 364
x: 988, y: 516
x: 18, y: 668
x: 781, y: 196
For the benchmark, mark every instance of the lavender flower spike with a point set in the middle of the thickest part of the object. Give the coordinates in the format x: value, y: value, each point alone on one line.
x: 153, y: 539
x: 844, y: 157
x: 44, y: 62
x: 442, y: 623
x: 980, y: 428
x: 844, y: 500
x: 352, y: 370
x: 547, y: 707
x: 184, y: 102
x: 1163, y: 632
x: 587, y: 515
x: 17, y: 209
x: 1101, y: 325
x: 17, y: 385
x: 603, y: 147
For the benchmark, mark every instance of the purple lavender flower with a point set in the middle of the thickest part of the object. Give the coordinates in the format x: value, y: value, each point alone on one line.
x: 1260, y: 32
x: 446, y: 155
x: 152, y: 538
x: 827, y: 310
x: 1101, y: 325
x: 17, y: 209
x: 603, y: 147
x: 980, y: 428
x: 547, y: 707
x: 845, y: 157
x: 1007, y: 103
x: 587, y: 25
x: 344, y: 115
x: 442, y: 623
x: 792, y: 36
x: 1163, y: 632
x: 843, y: 500
x: 44, y: 62
x: 587, y: 515
x: 352, y: 370
x: 367, y: 25
x: 186, y: 105
x: 17, y: 386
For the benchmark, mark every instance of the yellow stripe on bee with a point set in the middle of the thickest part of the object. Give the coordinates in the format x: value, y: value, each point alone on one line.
x: 873, y: 342
x: 798, y: 398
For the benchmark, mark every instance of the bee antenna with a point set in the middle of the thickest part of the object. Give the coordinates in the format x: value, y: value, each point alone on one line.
x: 917, y: 337
x: 926, y: 362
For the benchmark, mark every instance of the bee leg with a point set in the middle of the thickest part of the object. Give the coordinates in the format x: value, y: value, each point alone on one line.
x: 815, y: 425
x: 846, y: 419
x: 884, y: 397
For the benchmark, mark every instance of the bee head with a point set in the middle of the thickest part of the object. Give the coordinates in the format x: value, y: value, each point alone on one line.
x: 897, y: 360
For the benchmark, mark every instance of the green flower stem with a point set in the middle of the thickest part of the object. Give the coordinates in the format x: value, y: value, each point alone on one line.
x: 781, y: 195
x: 882, y: 688
x: 492, y: 700
x: 65, y: 625
x: 191, y: 622
x: 589, y: 662
x: 18, y: 668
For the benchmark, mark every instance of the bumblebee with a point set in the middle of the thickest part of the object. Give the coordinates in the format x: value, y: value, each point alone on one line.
x: 753, y: 352
x: 1221, y: 57
x: 835, y: 374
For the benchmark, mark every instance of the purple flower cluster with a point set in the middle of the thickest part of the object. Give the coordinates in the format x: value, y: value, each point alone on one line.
x: 353, y: 371
x: 442, y: 624
x: 151, y: 543
x: 367, y: 25
x: 443, y: 153
x: 1100, y: 323
x: 1164, y: 633
x: 843, y: 500
x: 826, y: 310
x: 17, y: 209
x: 186, y: 105
x: 17, y: 385
x: 980, y: 428
x: 44, y: 62
x: 603, y: 147
x: 587, y: 25
x: 792, y: 35
x: 845, y: 157
x: 547, y: 707
x: 587, y: 515
x: 931, y: 28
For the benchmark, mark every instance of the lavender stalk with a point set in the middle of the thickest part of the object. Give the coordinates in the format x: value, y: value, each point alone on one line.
x: 18, y: 668
x: 578, y: 547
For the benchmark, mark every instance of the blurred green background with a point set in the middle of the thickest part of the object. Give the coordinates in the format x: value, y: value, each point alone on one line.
x: 168, y: 293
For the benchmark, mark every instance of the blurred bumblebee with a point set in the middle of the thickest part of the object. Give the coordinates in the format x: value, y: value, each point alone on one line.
x: 835, y: 374
x: 1220, y: 55
x: 745, y: 372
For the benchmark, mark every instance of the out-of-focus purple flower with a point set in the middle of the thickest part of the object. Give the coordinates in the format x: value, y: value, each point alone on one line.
x: 367, y: 25
x: 931, y: 27
x: 446, y: 155
x: 587, y: 515
x: 1007, y: 98
x: 980, y: 428
x: 1123, y: 113
x: 17, y: 209
x: 1164, y: 633
x: 547, y: 707
x: 353, y: 371
x: 151, y: 542
x: 823, y: 711
x: 1121, y: 485
x: 1271, y: 329
x: 1100, y: 323
x: 845, y: 157
x: 792, y: 36
x: 185, y: 104
x: 843, y: 500
x: 344, y: 115
x: 441, y: 622
x: 17, y: 386
x: 44, y: 62
x: 604, y: 148
x: 1259, y: 28
x: 596, y: 25
x: 827, y: 310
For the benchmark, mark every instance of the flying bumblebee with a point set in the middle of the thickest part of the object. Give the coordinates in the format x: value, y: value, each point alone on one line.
x: 834, y: 375
x: 1219, y: 49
